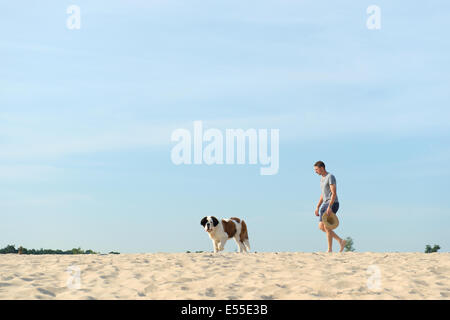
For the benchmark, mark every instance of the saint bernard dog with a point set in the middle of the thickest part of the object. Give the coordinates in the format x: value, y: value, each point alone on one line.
x: 221, y: 231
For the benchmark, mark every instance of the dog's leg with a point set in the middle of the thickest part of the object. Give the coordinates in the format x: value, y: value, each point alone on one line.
x: 238, y: 242
x: 215, y: 245
x: 243, y: 246
x: 247, y: 245
x: 222, y: 244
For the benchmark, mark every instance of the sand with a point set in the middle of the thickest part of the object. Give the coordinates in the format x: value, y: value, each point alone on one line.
x: 227, y: 275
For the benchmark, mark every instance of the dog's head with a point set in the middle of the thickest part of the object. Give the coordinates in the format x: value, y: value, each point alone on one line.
x: 209, y: 223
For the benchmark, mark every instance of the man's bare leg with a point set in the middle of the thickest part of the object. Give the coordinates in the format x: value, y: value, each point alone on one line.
x: 330, y: 235
x: 324, y: 229
x: 330, y: 239
x: 341, y: 242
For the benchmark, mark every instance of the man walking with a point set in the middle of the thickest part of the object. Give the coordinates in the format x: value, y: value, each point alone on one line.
x: 330, y: 203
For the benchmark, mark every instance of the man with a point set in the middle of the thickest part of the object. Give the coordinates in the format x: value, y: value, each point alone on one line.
x: 330, y: 203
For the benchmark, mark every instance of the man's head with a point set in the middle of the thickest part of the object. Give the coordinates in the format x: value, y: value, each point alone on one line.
x: 319, y: 167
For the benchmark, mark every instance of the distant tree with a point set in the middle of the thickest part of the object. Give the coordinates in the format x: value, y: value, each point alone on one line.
x: 12, y: 249
x: 429, y: 249
x: 77, y: 251
x: 349, y: 245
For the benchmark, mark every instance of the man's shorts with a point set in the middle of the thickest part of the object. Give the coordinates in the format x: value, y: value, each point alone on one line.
x: 324, y: 207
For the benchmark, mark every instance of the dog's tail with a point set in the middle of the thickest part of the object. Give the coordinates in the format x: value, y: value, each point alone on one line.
x: 244, y: 235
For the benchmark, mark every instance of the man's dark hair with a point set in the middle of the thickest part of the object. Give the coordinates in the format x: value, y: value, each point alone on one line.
x: 319, y: 164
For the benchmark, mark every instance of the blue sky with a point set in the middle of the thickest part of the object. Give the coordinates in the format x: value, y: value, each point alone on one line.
x: 86, y: 118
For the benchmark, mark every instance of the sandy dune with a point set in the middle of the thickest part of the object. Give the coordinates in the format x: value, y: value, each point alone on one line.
x: 284, y: 275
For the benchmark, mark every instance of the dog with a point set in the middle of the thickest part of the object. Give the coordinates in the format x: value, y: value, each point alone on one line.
x: 221, y: 231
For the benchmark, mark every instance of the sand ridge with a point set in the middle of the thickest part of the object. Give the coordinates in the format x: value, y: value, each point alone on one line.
x: 227, y: 275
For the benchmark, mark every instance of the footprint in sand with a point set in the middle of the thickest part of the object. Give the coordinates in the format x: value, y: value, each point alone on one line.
x: 150, y: 288
x: 243, y: 274
x: 210, y: 292
x: 4, y: 284
x: 27, y: 279
x: 47, y: 292
x: 343, y: 284
x: 421, y: 282
x: 414, y: 291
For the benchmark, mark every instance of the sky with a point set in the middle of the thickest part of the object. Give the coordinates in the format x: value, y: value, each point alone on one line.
x: 86, y: 117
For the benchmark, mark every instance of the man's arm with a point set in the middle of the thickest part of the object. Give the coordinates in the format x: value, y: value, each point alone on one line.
x: 318, y: 206
x: 333, y: 195
x: 320, y: 201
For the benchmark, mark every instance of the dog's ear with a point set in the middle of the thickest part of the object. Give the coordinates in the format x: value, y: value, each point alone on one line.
x: 203, y: 222
x: 215, y: 221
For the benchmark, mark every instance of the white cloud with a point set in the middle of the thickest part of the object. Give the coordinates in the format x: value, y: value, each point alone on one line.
x: 18, y: 172
x: 51, y: 139
x: 48, y: 200
x: 63, y: 143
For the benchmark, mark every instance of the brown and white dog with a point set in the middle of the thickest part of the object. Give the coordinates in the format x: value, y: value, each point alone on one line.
x: 221, y: 231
